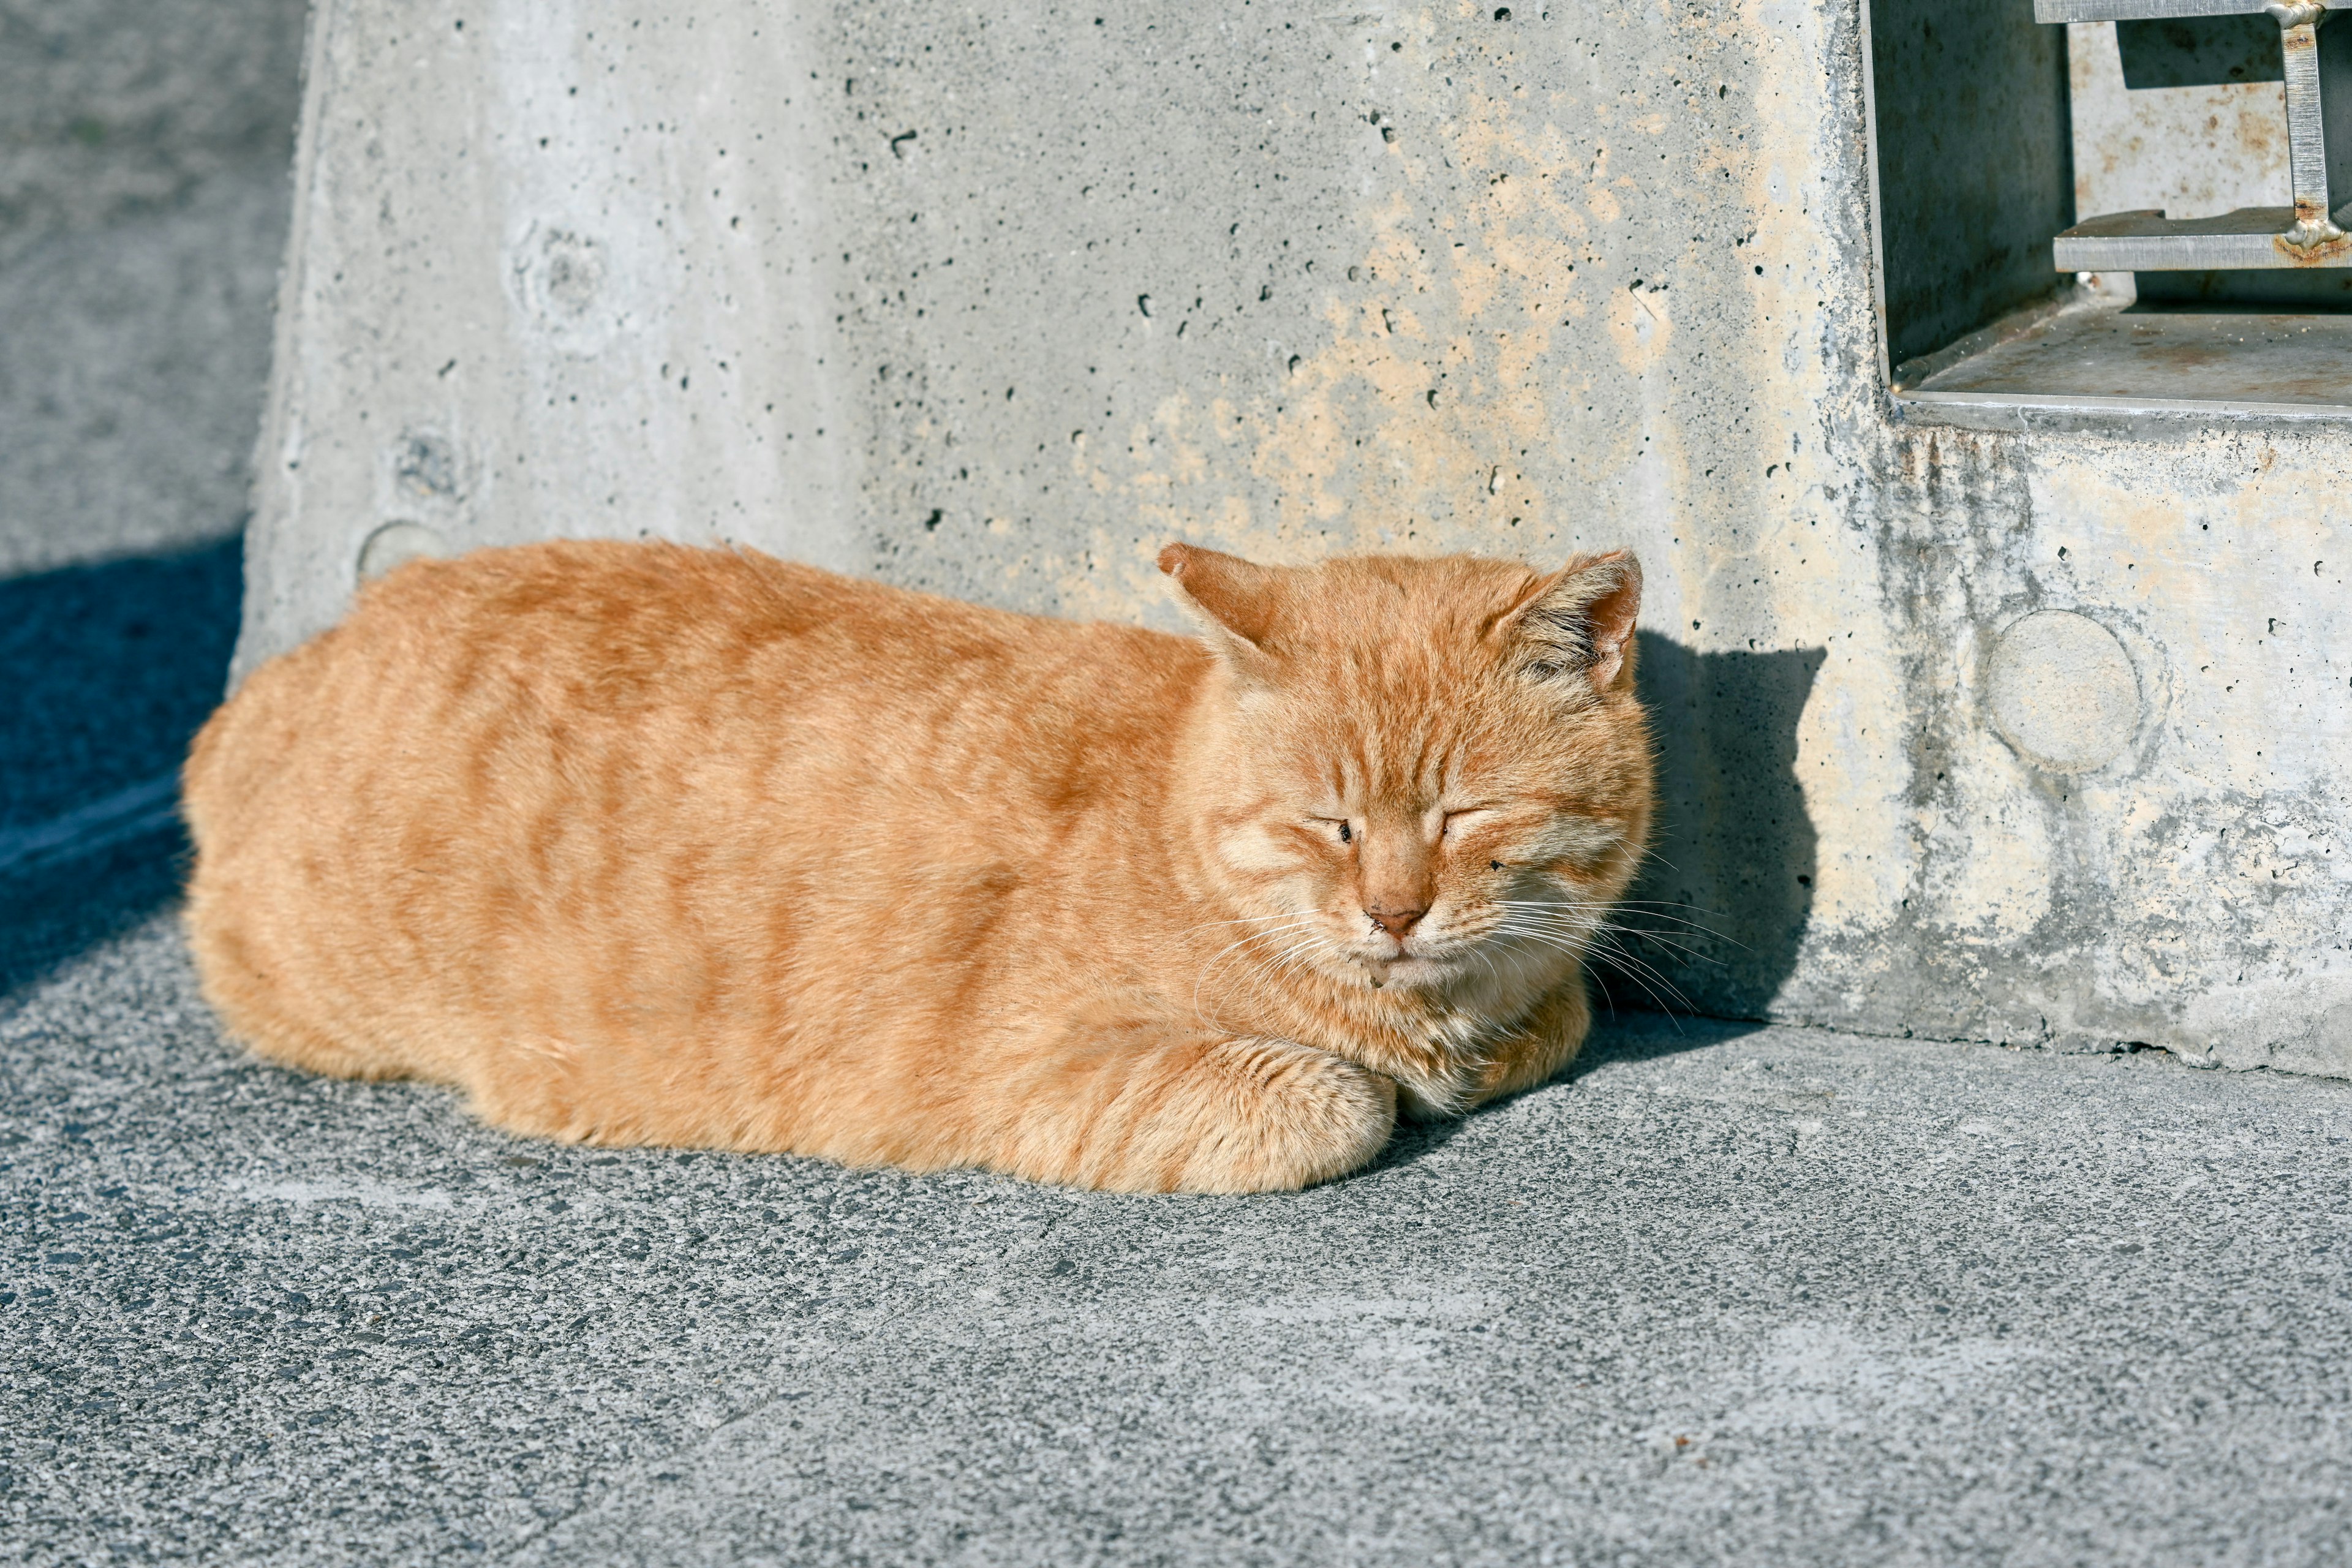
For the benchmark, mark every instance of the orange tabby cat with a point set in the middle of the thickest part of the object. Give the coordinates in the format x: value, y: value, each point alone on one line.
x: 641, y: 844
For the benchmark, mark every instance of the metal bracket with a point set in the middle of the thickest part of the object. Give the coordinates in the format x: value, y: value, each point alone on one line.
x: 2304, y: 236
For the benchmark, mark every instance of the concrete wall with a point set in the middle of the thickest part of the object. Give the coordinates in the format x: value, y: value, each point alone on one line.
x: 995, y: 300
x: 143, y: 205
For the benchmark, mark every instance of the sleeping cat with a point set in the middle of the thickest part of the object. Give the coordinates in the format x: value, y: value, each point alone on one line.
x: 644, y: 844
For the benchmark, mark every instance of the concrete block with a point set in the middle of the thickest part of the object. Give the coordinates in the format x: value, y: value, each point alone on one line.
x: 996, y: 302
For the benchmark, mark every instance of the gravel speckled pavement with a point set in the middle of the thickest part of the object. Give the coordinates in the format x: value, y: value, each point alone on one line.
x: 1756, y: 1296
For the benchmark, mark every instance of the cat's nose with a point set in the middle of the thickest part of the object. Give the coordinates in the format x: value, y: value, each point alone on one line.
x: 1396, y: 923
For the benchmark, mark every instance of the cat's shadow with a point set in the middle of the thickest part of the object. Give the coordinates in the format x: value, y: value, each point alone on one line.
x: 1619, y: 1038
x: 1715, y: 924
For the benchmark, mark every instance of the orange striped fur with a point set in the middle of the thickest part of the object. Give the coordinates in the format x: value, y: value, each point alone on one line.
x: 642, y: 843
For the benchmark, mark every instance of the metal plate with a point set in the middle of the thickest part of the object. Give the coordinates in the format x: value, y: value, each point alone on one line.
x: 2149, y: 10
x: 2137, y: 358
x: 2246, y: 239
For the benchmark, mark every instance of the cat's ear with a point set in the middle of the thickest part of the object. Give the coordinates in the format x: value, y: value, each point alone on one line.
x: 1237, y: 601
x: 1577, y: 623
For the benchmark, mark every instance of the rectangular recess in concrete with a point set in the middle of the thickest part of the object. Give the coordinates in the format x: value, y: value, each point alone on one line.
x: 1973, y: 163
x: 2236, y: 326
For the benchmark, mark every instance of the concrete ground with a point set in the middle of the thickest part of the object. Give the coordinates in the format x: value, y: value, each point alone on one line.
x: 1731, y: 1295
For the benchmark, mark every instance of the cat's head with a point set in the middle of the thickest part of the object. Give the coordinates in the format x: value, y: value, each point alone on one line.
x: 1416, y: 772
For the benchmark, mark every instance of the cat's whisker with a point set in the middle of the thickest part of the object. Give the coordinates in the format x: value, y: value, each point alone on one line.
x: 1605, y: 941
x: 1579, y: 929
x: 1552, y: 939
x: 1677, y: 942
x: 1263, y: 967
x: 1620, y: 903
x: 1685, y: 944
x: 1209, y: 968
x: 1264, y: 971
x: 1659, y: 1002
x: 1242, y: 920
x: 1615, y: 952
x: 1644, y: 910
x: 1602, y: 947
x: 1258, y: 936
x: 1676, y: 925
x: 1304, y: 954
x: 1600, y: 978
x: 1641, y: 973
x: 1245, y: 944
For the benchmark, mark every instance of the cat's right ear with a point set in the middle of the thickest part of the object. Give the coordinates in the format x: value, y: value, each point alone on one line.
x: 1237, y: 602
x: 1578, y: 624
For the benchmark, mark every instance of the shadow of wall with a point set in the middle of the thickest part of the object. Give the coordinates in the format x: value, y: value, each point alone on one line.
x: 105, y: 674
x: 1714, y: 924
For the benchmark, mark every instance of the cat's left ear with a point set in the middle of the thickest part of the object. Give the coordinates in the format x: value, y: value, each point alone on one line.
x: 1237, y: 601
x: 1579, y: 622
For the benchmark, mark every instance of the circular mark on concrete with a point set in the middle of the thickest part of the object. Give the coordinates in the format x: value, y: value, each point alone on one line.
x: 567, y: 285
x: 396, y: 544
x: 2063, y: 691
x: 571, y: 273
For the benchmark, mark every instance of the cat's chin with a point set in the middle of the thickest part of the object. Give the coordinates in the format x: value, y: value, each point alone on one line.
x: 1403, y: 972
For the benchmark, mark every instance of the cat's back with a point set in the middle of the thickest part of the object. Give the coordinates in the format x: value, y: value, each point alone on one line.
x: 617, y: 627
x: 587, y: 643
x: 563, y: 638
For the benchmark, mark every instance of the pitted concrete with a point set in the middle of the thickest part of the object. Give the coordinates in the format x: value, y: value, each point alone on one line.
x: 1773, y: 1297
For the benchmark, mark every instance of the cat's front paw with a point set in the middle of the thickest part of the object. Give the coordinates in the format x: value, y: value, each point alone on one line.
x: 1437, y: 1096
x: 1272, y: 1116
x: 1249, y: 1115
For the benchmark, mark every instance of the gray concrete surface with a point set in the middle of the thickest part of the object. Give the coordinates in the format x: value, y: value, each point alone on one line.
x: 113, y: 108
x: 1774, y: 1297
x: 132, y: 381
x: 145, y: 192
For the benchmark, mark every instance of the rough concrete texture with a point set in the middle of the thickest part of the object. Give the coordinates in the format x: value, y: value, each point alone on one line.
x: 143, y: 205
x: 997, y: 300
x: 1778, y: 1297
x: 131, y: 383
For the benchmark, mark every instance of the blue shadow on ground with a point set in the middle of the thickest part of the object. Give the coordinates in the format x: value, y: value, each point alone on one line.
x: 106, y: 673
